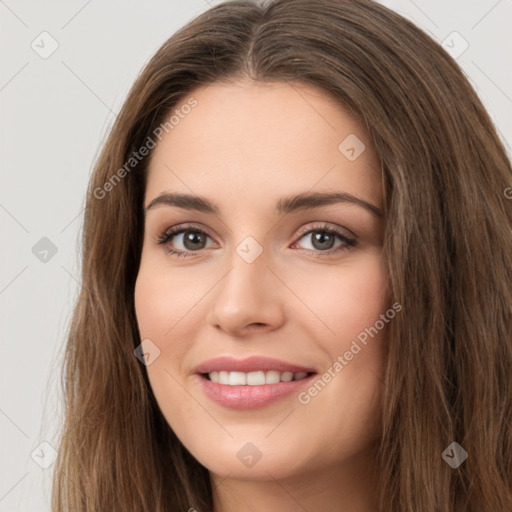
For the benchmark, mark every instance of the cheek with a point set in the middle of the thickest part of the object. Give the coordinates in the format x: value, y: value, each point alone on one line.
x: 159, y: 306
x: 163, y: 302
x: 347, y: 299
x: 168, y: 311
x: 150, y: 304
x: 362, y: 297
x: 350, y: 303
x: 360, y: 332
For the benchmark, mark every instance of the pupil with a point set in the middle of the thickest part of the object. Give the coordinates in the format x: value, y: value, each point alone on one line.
x: 321, y: 237
x: 192, y: 237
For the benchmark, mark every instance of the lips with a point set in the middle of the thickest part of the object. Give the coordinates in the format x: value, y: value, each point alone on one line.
x: 238, y: 384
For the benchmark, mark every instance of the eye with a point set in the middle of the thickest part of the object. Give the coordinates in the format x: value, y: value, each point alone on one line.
x: 322, y: 239
x: 194, y: 240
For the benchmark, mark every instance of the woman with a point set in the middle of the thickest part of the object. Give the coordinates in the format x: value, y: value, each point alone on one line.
x: 341, y: 338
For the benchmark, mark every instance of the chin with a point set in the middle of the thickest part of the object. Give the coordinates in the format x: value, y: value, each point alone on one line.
x: 258, y: 460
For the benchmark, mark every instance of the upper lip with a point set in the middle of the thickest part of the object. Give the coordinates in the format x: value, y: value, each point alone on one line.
x: 250, y: 364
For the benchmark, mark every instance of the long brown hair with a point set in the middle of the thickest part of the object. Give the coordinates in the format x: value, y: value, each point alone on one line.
x: 447, y: 246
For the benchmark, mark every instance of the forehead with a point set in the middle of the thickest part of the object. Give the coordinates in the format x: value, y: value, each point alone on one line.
x: 258, y: 141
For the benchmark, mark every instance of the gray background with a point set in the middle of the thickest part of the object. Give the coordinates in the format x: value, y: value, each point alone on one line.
x: 55, y: 113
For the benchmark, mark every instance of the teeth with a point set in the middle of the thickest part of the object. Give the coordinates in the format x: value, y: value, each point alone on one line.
x: 272, y: 377
x: 237, y: 379
x: 257, y: 378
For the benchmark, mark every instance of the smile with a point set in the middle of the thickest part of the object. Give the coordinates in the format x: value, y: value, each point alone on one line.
x: 251, y: 383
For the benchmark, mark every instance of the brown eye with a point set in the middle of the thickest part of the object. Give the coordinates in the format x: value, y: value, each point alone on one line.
x: 193, y: 240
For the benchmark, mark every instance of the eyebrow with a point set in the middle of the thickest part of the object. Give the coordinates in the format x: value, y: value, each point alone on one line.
x: 299, y: 202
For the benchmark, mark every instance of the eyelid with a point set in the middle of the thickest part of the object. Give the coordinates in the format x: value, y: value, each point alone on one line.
x: 173, y: 231
x: 319, y: 225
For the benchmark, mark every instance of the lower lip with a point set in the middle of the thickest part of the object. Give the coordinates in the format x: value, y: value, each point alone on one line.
x: 250, y: 397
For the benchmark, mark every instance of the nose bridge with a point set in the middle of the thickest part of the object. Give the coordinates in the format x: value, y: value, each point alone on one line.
x: 247, y: 277
x: 247, y: 294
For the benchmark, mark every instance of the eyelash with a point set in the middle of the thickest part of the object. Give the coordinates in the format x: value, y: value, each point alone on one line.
x: 170, y: 233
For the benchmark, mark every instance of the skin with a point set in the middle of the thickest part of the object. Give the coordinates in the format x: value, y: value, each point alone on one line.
x: 244, y: 146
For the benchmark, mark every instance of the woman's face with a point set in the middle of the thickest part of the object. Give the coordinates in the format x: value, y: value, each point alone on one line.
x: 255, y: 275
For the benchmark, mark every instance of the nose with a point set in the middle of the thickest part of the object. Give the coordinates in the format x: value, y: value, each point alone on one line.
x: 248, y: 297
